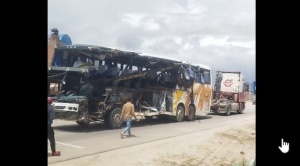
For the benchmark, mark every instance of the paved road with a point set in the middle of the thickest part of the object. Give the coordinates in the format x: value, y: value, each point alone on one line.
x: 74, y: 141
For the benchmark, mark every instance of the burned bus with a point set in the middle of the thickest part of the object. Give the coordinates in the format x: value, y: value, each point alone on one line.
x: 160, y: 87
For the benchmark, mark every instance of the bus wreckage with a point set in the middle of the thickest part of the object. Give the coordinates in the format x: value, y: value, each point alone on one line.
x: 160, y: 87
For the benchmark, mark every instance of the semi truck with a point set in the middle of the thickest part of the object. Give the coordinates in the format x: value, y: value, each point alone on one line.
x: 229, y: 93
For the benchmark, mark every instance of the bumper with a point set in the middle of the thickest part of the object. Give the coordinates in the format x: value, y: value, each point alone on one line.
x: 66, y: 111
x: 221, y: 108
x: 66, y: 115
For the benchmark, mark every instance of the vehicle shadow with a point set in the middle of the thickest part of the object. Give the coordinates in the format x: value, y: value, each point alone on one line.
x: 231, y: 114
x: 212, y: 113
x: 92, y: 127
x: 157, y: 121
x: 203, y: 117
x: 99, y: 126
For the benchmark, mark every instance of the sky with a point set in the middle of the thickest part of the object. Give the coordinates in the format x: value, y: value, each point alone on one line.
x: 217, y: 33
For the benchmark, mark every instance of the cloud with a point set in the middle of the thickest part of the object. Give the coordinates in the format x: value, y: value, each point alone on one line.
x: 218, y: 33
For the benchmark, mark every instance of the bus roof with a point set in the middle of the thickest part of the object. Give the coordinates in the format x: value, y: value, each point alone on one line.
x: 177, y: 60
x: 161, y: 57
x: 124, y: 55
x: 202, y: 66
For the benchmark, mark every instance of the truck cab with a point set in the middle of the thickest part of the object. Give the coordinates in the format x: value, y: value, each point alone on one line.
x: 229, y: 93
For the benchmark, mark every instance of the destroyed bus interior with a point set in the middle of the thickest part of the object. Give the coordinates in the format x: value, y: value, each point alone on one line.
x: 116, y: 75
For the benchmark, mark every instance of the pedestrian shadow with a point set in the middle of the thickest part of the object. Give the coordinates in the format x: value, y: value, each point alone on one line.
x: 49, y: 154
x: 132, y: 136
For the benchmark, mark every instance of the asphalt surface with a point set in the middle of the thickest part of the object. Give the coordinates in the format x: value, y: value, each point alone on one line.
x: 75, y: 141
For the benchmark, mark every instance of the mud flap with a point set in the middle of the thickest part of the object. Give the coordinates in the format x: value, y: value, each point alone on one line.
x: 83, y: 120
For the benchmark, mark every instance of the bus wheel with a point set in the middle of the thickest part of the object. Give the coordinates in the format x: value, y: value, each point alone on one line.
x: 192, y: 112
x: 115, y: 121
x: 180, y: 114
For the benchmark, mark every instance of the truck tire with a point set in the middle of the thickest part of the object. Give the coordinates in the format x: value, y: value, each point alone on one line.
x: 192, y: 111
x: 115, y: 121
x: 228, y: 110
x: 180, y: 114
x: 241, y: 108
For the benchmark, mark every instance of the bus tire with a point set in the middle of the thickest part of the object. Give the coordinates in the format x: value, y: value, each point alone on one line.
x: 115, y: 121
x: 179, y: 113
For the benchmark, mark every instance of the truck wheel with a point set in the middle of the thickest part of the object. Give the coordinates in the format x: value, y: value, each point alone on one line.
x: 192, y: 111
x: 180, y: 114
x: 115, y: 121
x: 228, y: 110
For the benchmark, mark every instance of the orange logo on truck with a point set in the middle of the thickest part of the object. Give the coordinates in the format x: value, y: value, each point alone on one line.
x: 228, y: 82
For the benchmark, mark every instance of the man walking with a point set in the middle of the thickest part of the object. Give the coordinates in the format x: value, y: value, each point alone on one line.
x: 126, y: 115
x: 51, y: 115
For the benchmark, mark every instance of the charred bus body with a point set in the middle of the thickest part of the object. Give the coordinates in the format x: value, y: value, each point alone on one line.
x: 160, y: 87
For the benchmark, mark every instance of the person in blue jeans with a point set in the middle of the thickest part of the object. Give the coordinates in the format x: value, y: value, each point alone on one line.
x: 126, y: 115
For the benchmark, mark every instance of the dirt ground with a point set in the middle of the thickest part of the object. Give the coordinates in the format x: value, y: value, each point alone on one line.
x: 234, y: 146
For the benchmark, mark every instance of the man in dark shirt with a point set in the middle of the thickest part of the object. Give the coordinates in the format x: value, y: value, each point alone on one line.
x: 51, y: 115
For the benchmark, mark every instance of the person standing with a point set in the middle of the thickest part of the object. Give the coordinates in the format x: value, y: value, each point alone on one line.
x: 51, y: 115
x: 126, y: 115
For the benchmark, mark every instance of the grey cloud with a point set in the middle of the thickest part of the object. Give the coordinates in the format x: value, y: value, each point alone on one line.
x: 129, y: 42
x: 100, y: 23
x: 166, y: 47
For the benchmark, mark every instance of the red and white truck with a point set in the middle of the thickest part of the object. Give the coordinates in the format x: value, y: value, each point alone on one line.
x: 229, y: 93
